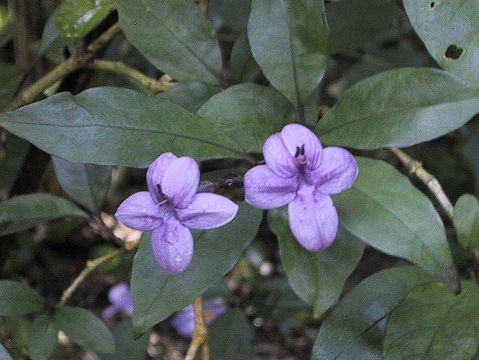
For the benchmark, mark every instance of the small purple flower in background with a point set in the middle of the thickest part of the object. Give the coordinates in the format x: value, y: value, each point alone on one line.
x: 121, y: 300
x: 184, y: 320
x: 171, y: 207
x: 299, y: 172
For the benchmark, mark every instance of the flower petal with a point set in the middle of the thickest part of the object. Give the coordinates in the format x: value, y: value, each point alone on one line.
x: 295, y: 136
x: 139, y: 211
x: 266, y: 190
x: 337, y: 171
x: 207, y: 211
x: 184, y: 321
x: 109, y: 312
x: 313, y: 219
x: 172, y: 246
x: 121, y: 298
x: 180, y: 181
x: 156, y: 171
x: 278, y: 158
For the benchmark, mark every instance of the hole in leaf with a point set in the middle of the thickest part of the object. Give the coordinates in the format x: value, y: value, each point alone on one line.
x: 432, y: 4
x: 453, y: 52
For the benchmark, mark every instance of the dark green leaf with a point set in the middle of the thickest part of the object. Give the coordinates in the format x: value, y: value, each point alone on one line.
x: 231, y: 337
x: 16, y: 150
x: 243, y: 64
x: 317, y: 277
x: 115, y: 126
x: 75, y: 18
x: 42, y: 340
x: 4, y: 355
x: 84, y: 329
x: 158, y: 294
x: 24, y: 211
x: 127, y: 348
x: 354, y: 330
x: 190, y: 96
x: 386, y: 211
x: 230, y: 15
x: 353, y: 23
x: 247, y: 114
x: 434, y: 324
x: 174, y: 35
x: 423, y: 104
x: 17, y: 299
x: 85, y: 183
x: 10, y: 77
x: 466, y: 221
x: 289, y: 40
x: 449, y: 31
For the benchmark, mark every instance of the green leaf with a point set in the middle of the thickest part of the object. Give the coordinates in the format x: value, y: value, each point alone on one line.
x: 386, y: 211
x: 423, y: 104
x: 289, y: 40
x: 466, y: 221
x: 174, y: 35
x: 42, y: 339
x: 434, y: 324
x: 115, y: 126
x: 229, y: 15
x: 243, y: 64
x: 4, y: 355
x: 247, y: 114
x: 231, y: 337
x: 16, y: 150
x: 76, y: 18
x: 84, y: 329
x: 87, y: 184
x: 317, y: 277
x: 158, y: 294
x: 354, y: 330
x: 4, y: 17
x: 24, y: 211
x: 52, y: 41
x: 354, y: 23
x: 17, y: 299
x: 449, y: 31
x: 10, y: 77
x: 190, y: 96
x: 127, y: 348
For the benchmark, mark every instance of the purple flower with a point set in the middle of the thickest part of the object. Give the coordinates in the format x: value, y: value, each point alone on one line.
x: 172, y: 206
x: 120, y: 299
x: 184, y: 320
x: 299, y: 172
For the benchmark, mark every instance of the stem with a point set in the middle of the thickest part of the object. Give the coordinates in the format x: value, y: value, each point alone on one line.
x: 200, y: 334
x: 91, y: 265
x: 414, y: 166
x: 151, y: 84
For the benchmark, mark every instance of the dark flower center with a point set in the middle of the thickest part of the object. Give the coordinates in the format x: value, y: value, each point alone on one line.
x: 300, y: 157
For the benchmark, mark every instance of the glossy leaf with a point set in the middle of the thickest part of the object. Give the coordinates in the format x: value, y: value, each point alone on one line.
x: 76, y: 18
x: 84, y: 329
x: 231, y: 337
x: 289, y: 40
x: 466, y: 221
x: 158, y: 294
x: 24, y: 211
x: 10, y: 77
x: 4, y: 355
x: 243, y: 65
x: 449, y: 31
x: 387, y: 212
x: 354, y: 23
x: 42, y: 339
x: 423, y: 104
x: 174, y: 35
x: 354, y: 329
x: 87, y: 184
x: 247, y: 115
x: 190, y: 96
x: 17, y: 299
x: 127, y: 348
x: 94, y: 130
x: 432, y: 323
x: 317, y: 277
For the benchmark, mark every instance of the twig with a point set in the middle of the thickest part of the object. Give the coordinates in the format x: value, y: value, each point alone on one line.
x: 200, y: 334
x: 91, y: 265
x: 151, y: 84
x: 429, y: 180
